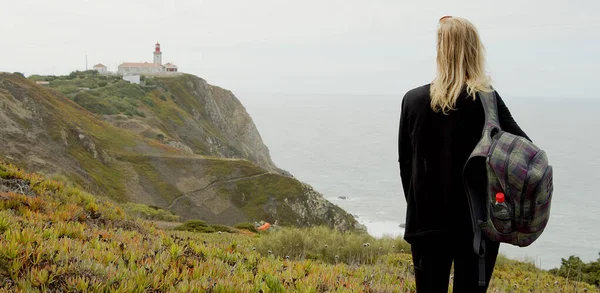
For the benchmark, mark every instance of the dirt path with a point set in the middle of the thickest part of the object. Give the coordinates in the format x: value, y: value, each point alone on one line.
x: 212, y: 183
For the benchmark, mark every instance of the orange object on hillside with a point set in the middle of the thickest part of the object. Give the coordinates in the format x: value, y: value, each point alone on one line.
x: 264, y: 227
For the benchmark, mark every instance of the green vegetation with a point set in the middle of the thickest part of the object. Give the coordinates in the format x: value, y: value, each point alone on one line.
x: 189, y: 94
x: 231, y: 168
x: 275, y: 192
x: 574, y: 268
x: 323, y: 244
x: 173, y: 100
x: 144, y: 167
x: 270, y: 189
x: 202, y: 227
x: 60, y: 239
x: 143, y: 211
x: 246, y: 226
x: 181, y: 87
x: 100, y: 94
x: 106, y: 180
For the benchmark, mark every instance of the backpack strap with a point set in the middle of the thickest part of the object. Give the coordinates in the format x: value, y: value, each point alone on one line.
x: 492, y: 123
x: 491, y: 127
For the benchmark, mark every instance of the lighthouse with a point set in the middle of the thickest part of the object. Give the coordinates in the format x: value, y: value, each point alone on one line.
x: 145, y: 68
x: 157, y: 54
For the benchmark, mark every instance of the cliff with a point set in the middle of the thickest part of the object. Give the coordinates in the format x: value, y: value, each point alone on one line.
x: 176, y: 143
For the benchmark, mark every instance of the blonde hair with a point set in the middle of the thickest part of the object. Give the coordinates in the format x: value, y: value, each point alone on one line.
x: 460, y: 62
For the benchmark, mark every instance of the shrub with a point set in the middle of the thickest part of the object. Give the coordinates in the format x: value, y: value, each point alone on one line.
x: 102, y: 84
x: 574, y: 268
x: 246, y: 226
x: 201, y: 227
x: 222, y: 228
x: 150, y: 212
x: 195, y: 226
x: 322, y: 243
x: 149, y: 82
x: 95, y: 104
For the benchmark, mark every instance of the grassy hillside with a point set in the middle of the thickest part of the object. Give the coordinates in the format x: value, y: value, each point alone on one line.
x: 182, y: 109
x: 57, y: 238
x: 114, y: 156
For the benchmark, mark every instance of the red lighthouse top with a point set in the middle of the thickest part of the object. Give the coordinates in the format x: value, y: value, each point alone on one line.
x: 157, y: 47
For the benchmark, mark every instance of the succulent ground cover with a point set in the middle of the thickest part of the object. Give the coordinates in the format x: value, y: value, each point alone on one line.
x: 54, y: 237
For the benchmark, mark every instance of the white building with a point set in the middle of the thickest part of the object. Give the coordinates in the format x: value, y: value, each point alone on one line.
x: 145, y: 68
x: 132, y: 78
x: 100, y: 68
x: 129, y: 68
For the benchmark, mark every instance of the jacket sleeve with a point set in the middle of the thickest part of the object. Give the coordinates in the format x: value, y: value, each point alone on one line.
x: 405, y: 149
x: 507, y: 122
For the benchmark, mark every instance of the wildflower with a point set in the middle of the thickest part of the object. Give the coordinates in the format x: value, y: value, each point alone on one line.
x: 220, y: 232
x: 364, y: 245
x: 555, y: 282
x: 380, y: 248
x: 326, y: 245
x: 287, y: 257
x: 337, y: 257
x: 516, y: 286
x: 270, y: 252
x: 253, y: 248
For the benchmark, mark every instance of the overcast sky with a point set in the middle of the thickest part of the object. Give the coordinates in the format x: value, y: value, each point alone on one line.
x: 535, y: 48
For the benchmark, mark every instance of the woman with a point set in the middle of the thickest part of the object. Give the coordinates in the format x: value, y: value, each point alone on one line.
x: 440, y: 124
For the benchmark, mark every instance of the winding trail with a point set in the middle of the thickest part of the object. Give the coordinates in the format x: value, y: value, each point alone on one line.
x: 212, y: 183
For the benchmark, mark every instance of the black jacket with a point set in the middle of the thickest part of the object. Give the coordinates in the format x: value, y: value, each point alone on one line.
x: 432, y: 149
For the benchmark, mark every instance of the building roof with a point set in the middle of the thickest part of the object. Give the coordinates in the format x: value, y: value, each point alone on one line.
x: 134, y: 64
x: 99, y: 65
x: 170, y: 65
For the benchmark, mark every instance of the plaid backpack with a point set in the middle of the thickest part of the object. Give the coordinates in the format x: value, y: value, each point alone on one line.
x: 519, y: 169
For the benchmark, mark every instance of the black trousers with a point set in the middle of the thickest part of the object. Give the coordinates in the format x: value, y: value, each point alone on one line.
x: 432, y: 268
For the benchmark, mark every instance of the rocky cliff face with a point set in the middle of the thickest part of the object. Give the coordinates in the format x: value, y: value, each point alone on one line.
x: 236, y: 135
x: 192, y: 149
x: 199, y: 118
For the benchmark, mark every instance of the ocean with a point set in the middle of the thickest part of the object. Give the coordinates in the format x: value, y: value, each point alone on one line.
x: 345, y: 146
